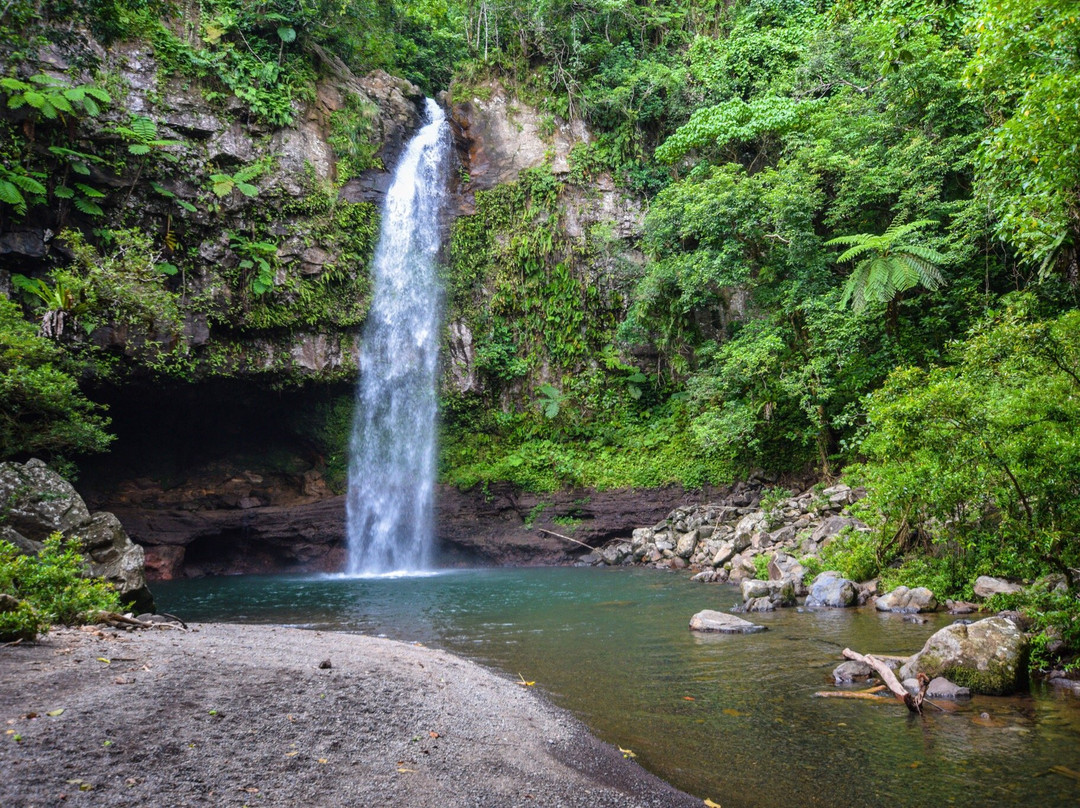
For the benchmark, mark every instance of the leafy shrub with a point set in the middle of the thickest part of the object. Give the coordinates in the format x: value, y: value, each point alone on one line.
x: 853, y: 554
x: 53, y: 585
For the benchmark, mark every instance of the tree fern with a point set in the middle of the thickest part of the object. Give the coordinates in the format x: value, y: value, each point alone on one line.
x: 887, y: 265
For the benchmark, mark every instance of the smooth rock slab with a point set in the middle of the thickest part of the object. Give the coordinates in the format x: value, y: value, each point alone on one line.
x: 709, y: 620
x: 987, y: 586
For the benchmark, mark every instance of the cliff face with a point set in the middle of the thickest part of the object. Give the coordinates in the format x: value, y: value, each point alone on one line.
x: 263, y: 232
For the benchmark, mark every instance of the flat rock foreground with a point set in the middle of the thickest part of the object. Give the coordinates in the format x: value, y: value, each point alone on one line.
x: 228, y: 715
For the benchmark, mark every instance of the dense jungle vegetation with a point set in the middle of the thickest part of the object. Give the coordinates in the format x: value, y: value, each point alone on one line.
x: 859, y: 246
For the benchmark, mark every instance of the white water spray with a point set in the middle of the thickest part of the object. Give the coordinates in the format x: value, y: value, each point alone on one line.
x: 390, y: 504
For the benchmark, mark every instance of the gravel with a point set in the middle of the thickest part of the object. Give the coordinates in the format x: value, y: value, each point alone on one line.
x: 233, y: 715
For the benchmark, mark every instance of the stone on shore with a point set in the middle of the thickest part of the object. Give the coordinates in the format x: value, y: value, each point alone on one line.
x: 988, y: 656
x: 907, y: 601
x: 709, y: 620
x: 833, y: 590
x: 39, y: 502
x: 986, y: 586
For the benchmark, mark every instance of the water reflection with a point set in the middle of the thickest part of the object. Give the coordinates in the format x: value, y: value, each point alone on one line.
x: 731, y: 717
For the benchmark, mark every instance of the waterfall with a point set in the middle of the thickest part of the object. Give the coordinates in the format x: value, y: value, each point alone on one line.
x: 390, y: 503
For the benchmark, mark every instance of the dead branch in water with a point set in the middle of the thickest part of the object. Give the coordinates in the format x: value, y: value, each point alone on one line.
x: 913, y: 702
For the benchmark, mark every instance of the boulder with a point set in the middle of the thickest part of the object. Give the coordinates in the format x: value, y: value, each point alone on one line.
x: 685, y: 544
x: 907, y: 601
x: 833, y: 590
x: 709, y: 620
x: 831, y: 526
x: 851, y: 671
x: 724, y: 554
x: 942, y: 688
x: 40, y: 502
x: 616, y: 554
x: 987, y: 586
x: 988, y: 656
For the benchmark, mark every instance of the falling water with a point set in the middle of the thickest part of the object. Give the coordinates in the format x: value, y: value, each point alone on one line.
x: 389, y: 508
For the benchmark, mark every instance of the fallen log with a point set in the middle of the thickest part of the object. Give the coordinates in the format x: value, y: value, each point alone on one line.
x: 848, y: 694
x: 913, y: 702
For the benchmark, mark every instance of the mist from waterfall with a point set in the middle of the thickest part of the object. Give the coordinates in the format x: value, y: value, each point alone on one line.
x: 390, y: 503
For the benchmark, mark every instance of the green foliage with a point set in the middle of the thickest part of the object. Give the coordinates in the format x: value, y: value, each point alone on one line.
x: 352, y: 136
x: 258, y: 260
x: 53, y: 584
x: 42, y: 410
x: 52, y: 97
x: 222, y: 184
x: 761, y: 566
x: 853, y: 554
x: 978, y: 459
x: 887, y: 265
x: 1026, y: 69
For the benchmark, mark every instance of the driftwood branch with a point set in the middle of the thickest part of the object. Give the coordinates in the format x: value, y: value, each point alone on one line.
x: 913, y: 702
x: 561, y: 536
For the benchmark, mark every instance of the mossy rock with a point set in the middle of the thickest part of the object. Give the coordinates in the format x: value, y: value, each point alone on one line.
x: 988, y: 656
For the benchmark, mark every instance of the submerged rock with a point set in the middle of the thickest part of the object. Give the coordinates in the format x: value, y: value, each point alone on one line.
x: 851, y: 671
x: 709, y: 620
x: 988, y: 656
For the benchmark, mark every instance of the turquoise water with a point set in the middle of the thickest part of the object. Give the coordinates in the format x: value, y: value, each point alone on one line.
x: 728, y: 717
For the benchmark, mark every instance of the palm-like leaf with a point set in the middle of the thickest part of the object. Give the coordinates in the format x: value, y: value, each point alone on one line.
x: 886, y: 266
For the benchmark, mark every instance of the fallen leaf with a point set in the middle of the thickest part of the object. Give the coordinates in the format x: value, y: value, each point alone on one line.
x: 687, y: 698
x: 105, y: 660
x: 86, y: 787
x: 56, y: 712
x: 711, y: 804
x: 249, y: 789
x: 294, y: 753
x: 403, y: 770
x: 1065, y: 772
x: 323, y: 760
x: 433, y: 733
x: 523, y: 683
x: 626, y: 753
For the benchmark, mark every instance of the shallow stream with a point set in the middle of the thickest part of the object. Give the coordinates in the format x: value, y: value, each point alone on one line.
x: 728, y: 717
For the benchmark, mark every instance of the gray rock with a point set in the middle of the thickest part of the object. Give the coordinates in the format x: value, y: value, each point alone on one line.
x: 709, y: 620
x: 711, y: 576
x: 989, y: 656
x: 831, y: 526
x: 616, y: 554
x: 907, y: 601
x: 833, y: 590
x: 755, y: 589
x: 942, y: 688
x: 685, y: 544
x: 40, y: 502
x: 987, y: 586
x: 960, y: 607
x: 724, y: 554
x: 764, y: 604
x: 851, y: 671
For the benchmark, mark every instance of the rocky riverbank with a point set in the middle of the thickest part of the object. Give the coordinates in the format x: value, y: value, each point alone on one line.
x: 248, y: 715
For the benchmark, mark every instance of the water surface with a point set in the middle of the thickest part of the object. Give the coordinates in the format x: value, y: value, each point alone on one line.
x: 729, y: 717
